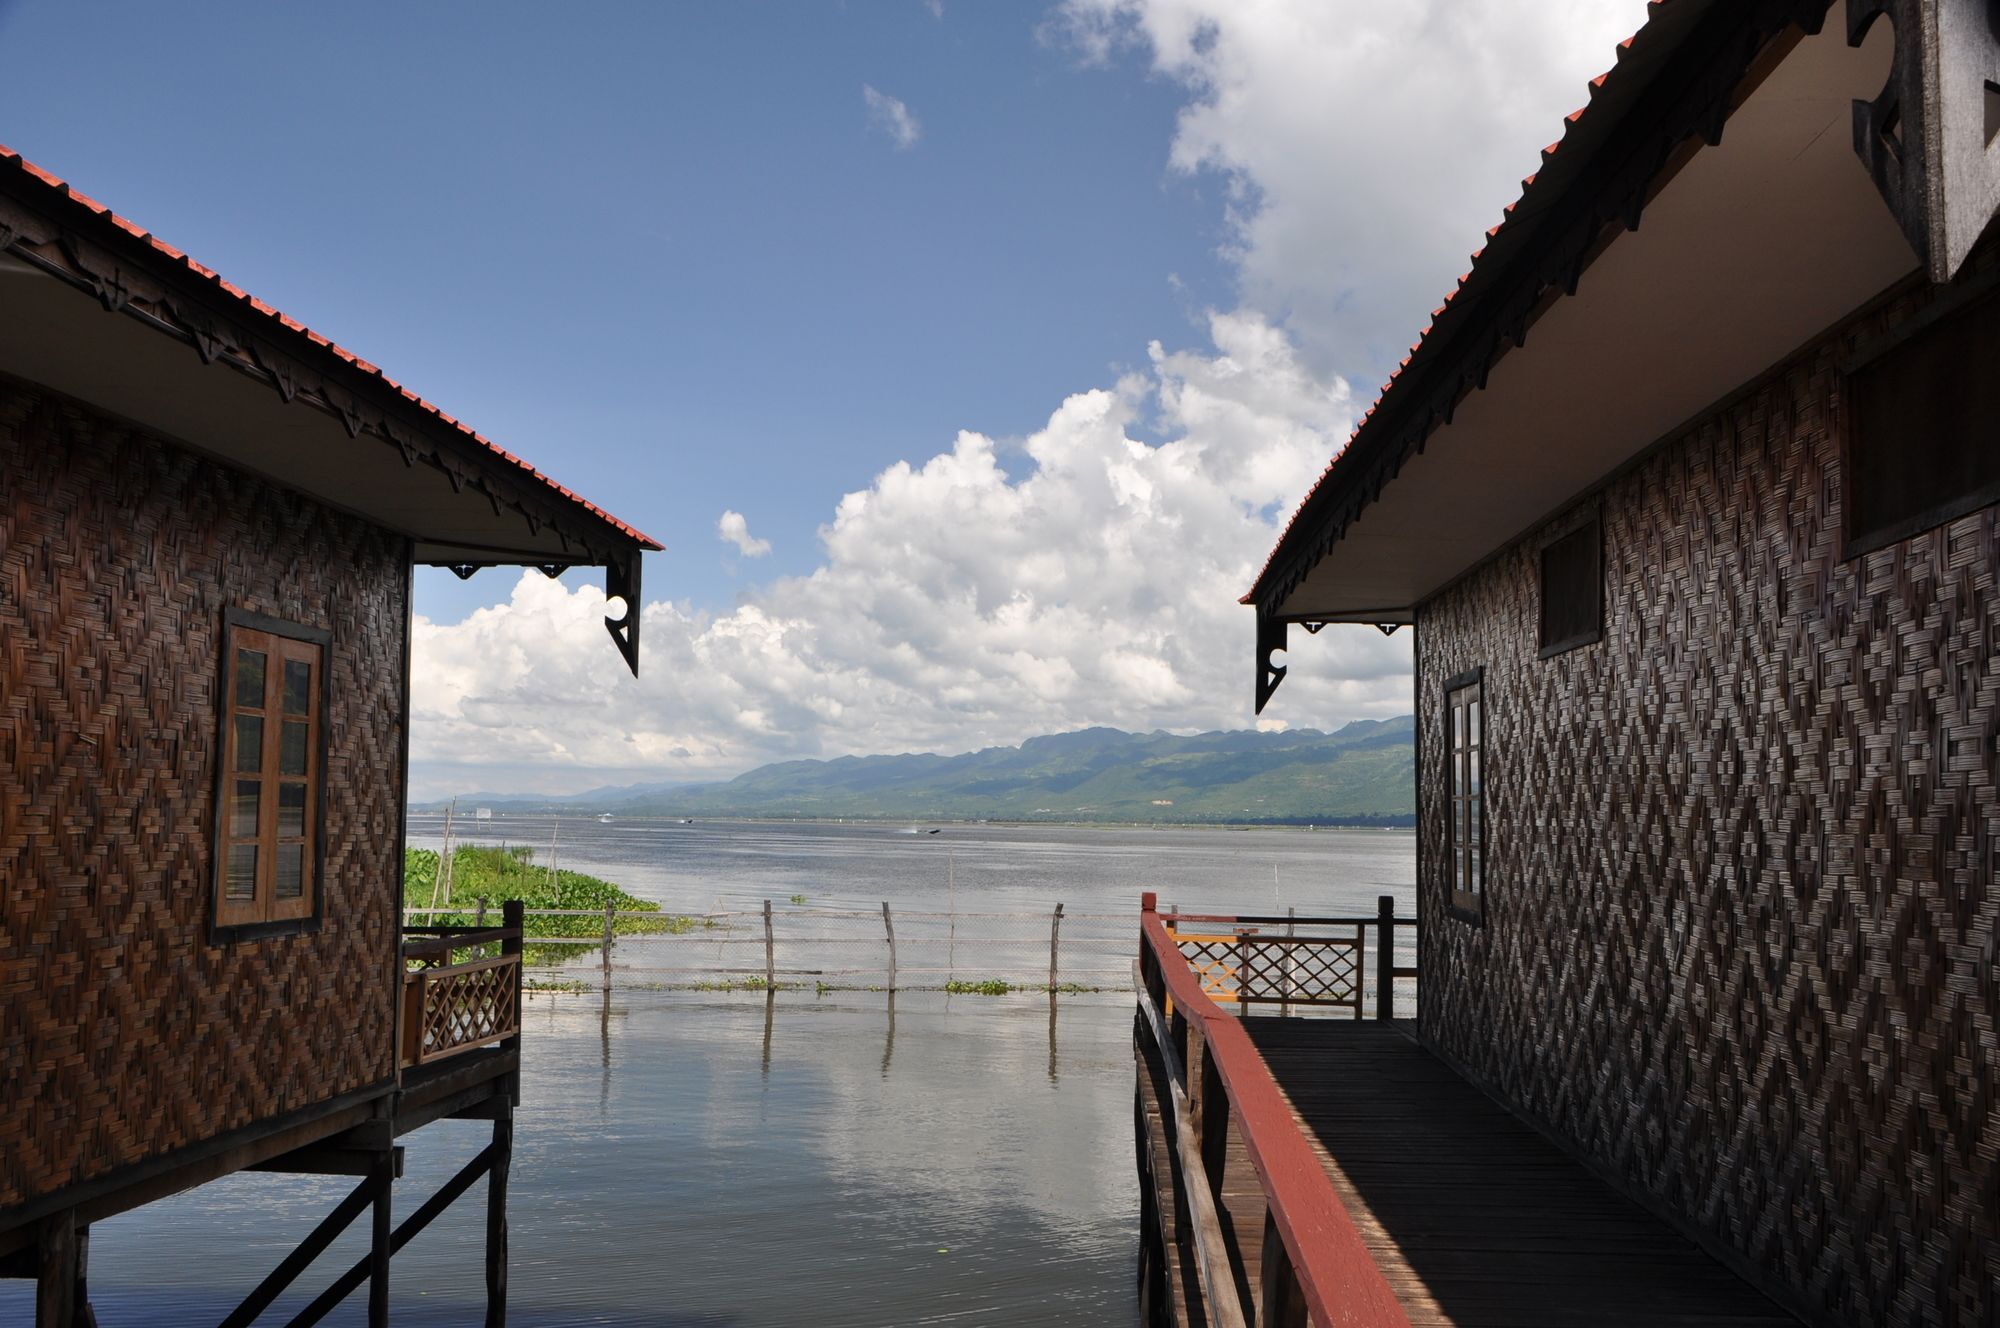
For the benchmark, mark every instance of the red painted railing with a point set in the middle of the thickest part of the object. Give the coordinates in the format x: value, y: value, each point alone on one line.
x: 1324, y: 1263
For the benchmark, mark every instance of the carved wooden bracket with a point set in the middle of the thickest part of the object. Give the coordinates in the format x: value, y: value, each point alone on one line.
x: 1929, y: 138
x: 621, y: 581
x: 1270, y: 637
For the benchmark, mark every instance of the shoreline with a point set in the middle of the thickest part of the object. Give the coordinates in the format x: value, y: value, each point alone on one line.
x: 1395, y: 823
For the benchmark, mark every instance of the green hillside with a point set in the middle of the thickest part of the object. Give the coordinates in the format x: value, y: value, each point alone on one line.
x: 1360, y: 775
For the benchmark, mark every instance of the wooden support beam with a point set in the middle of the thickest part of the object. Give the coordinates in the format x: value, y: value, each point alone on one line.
x: 329, y: 1159
x: 56, y: 1270
x: 371, y: 1134
x: 81, y: 1315
x: 300, y: 1259
x: 414, y: 1223
x: 382, y: 1180
x: 1385, y: 957
x: 496, y: 1223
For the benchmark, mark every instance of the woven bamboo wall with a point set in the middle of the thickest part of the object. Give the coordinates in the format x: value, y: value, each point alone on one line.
x: 1739, y: 939
x: 123, y: 1032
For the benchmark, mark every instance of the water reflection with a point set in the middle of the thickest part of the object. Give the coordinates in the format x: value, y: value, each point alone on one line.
x: 889, y: 1034
x: 732, y: 1158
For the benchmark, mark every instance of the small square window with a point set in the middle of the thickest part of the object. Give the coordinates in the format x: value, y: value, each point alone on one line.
x: 1573, y: 589
x: 1919, y: 430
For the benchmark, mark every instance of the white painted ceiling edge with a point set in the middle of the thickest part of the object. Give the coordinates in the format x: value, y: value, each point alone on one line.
x: 1755, y: 248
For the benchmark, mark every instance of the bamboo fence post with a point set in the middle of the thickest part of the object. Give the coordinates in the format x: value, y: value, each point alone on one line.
x: 770, y: 952
x: 607, y: 946
x: 889, y: 926
x: 1055, y: 940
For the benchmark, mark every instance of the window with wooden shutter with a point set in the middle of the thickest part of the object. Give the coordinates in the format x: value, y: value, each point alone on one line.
x: 1573, y: 589
x: 1921, y: 407
x: 1465, y: 838
x: 273, y: 747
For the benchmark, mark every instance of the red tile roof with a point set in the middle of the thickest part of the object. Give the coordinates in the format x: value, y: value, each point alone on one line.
x: 1510, y: 219
x: 58, y: 186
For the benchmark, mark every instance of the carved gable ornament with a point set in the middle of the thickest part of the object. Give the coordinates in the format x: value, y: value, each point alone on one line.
x: 1931, y: 140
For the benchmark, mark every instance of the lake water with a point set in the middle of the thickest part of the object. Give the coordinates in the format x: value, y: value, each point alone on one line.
x: 691, y: 1158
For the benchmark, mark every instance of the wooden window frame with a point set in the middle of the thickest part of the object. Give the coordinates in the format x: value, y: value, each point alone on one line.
x: 265, y: 914
x: 1592, y: 634
x: 1856, y: 543
x: 1466, y: 904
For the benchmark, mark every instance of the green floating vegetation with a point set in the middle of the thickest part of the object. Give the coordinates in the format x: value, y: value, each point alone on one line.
x: 510, y: 872
x: 990, y: 987
x: 730, y: 984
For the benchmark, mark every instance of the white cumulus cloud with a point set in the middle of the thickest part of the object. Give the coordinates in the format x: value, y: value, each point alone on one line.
x: 960, y: 601
x: 1365, y: 145
x: 734, y: 529
x: 955, y: 606
x: 892, y: 117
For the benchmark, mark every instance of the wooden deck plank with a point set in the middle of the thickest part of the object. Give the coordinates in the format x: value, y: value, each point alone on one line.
x: 1474, y: 1218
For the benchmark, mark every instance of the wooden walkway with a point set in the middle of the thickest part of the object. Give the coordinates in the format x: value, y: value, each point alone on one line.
x: 1169, y: 1291
x: 1473, y: 1217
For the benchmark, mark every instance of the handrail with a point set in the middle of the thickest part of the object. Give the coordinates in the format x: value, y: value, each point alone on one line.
x: 1337, y: 1275
x: 448, y: 939
x: 1264, y: 919
x: 1211, y: 1255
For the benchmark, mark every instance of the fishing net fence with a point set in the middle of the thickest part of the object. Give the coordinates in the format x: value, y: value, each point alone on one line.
x: 787, y: 945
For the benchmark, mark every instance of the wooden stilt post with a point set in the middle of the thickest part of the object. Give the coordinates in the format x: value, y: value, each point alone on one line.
x: 383, y: 1173
x: 889, y: 926
x: 1055, y: 942
x: 514, y: 917
x: 496, y: 1223
x: 770, y: 952
x: 607, y: 946
x: 479, y: 917
x: 82, y: 1315
x: 56, y: 1270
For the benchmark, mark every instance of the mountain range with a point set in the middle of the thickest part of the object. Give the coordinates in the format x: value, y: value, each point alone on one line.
x: 1362, y: 774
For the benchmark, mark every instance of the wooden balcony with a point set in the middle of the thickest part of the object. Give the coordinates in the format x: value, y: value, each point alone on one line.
x: 461, y: 989
x: 1330, y: 1170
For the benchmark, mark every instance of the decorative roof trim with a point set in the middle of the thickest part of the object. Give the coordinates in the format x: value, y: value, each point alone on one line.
x: 1674, y: 85
x: 49, y: 224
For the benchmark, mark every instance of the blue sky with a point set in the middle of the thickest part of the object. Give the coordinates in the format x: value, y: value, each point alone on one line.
x: 661, y: 252
x: 1017, y: 330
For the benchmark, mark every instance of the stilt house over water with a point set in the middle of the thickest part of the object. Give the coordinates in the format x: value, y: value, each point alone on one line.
x: 211, y: 515
x: 1687, y: 494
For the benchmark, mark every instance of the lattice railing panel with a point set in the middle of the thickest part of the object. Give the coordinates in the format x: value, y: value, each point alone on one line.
x: 460, y: 1007
x: 1301, y: 970
x: 1247, y: 967
x: 1214, y: 960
